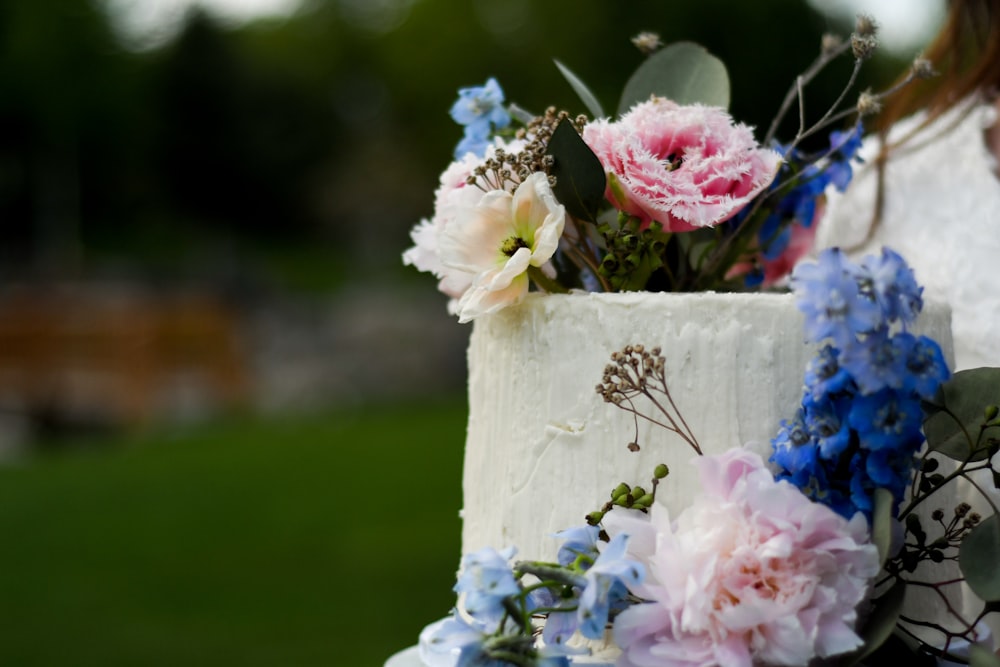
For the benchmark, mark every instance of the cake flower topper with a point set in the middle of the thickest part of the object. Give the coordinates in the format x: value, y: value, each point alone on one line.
x: 669, y: 193
x: 807, y: 560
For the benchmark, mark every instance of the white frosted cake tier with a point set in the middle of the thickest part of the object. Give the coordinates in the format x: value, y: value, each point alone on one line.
x: 543, y: 448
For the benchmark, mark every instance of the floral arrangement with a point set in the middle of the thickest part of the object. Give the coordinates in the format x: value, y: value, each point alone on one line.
x: 671, y: 194
x: 805, y: 558
x: 802, y: 559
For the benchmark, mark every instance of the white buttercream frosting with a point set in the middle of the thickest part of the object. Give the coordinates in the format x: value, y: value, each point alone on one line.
x: 544, y: 449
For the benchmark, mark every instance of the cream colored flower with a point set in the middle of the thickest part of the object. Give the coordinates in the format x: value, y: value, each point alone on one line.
x: 496, y: 241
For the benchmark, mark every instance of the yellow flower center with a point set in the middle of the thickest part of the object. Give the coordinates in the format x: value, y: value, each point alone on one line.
x: 512, y: 245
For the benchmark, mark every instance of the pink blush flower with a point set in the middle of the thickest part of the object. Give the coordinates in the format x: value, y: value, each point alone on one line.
x: 683, y: 166
x: 495, y: 243
x: 453, y: 196
x: 753, y: 572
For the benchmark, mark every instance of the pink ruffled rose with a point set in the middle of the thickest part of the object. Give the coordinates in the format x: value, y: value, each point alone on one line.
x: 753, y: 572
x: 684, y: 166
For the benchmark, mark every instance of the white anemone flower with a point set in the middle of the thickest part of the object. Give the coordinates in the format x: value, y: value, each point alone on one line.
x: 498, y: 240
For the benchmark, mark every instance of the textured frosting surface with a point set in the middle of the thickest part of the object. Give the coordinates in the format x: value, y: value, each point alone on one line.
x: 543, y: 448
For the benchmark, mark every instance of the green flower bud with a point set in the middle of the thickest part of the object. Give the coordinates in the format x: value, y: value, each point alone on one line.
x: 594, y: 518
x: 661, y: 471
x: 991, y: 412
x: 638, y: 492
x: 645, y: 501
x: 620, y: 491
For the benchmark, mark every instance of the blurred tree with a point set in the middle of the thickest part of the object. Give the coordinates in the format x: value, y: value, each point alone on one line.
x: 325, y: 131
x: 63, y: 127
x: 238, y: 141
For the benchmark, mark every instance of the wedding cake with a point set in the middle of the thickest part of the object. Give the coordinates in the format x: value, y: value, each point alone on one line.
x: 768, y: 441
x: 543, y: 447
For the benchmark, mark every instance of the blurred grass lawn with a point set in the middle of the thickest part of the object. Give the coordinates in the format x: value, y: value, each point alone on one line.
x: 317, y: 540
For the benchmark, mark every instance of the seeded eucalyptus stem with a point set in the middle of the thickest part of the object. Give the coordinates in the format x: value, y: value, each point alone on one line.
x: 822, y: 60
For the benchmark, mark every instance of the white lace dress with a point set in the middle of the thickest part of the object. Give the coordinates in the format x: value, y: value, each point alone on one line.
x: 942, y: 214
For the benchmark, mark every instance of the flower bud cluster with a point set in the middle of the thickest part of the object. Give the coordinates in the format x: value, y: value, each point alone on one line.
x: 537, y: 134
x: 632, y: 253
x: 630, y: 373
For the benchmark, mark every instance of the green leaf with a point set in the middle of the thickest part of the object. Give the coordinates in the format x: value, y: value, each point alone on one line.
x: 978, y: 557
x: 981, y: 657
x: 683, y: 72
x: 964, y: 397
x: 882, y: 522
x: 580, y: 179
x: 588, y: 98
x: 882, y: 621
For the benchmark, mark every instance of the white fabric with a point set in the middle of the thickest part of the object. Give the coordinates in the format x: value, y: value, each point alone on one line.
x: 942, y: 214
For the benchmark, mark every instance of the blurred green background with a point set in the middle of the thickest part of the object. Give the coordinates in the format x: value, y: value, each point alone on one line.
x: 231, y: 422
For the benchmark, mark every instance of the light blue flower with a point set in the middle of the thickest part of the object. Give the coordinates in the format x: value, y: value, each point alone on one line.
x: 607, y: 582
x: 876, y: 362
x: 578, y: 541
x: 480, y: 108
x: 829, y: 297
x: 486, y: 578
x: 442, y: 642
x: 473, y: 141
x: 893, y: 286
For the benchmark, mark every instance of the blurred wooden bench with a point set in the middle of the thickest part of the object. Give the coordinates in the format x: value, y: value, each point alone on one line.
x: 113, y: 354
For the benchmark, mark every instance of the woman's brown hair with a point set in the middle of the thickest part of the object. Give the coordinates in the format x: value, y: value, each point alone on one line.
x: 966, y: 55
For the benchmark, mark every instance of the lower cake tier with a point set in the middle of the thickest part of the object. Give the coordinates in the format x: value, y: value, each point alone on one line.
x: 543, y: 447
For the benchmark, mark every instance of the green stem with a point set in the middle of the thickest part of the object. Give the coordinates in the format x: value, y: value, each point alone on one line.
x: 550, y: 285
x: 546, y: 571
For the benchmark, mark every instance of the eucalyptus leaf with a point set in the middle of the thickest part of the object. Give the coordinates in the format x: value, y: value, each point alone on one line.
x: 964, y: 397
x: 882, y: 621
x: 580, y: 178
x: 882, y: 523
x: 683, y: 72
x: 588, y: 98
x: 981, y: 657
x: 978, y: 557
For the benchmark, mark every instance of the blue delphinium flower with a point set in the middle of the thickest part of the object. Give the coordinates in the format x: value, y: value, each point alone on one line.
x: 844, y: 148
x: 577, y: 542
x: 480, y: 109
x: 925, y: 364
x: 486, y: 578
x: 827, y: 424
x: 875, y: 362
x: 607, y: 582
x: 481, y: 105
x: 859, y: 427
x: 893, y: 286
x: 824, y: 374
x: 455, y: 641
x: 472, y: 142
x: 829, y: 296
x: 887, y: 419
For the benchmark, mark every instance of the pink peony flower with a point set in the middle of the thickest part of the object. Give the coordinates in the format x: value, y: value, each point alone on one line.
x: 753, y: 572
x: 682, y: 166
